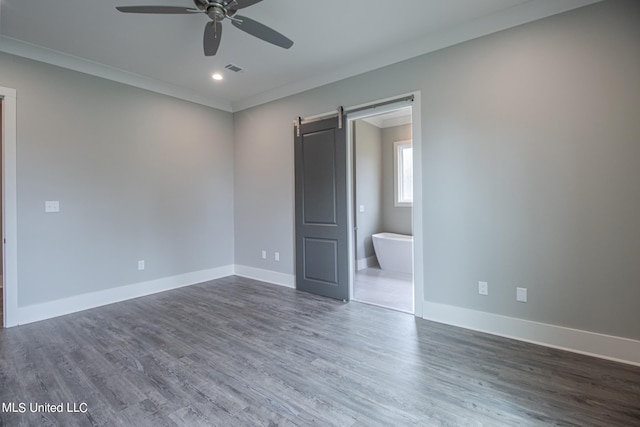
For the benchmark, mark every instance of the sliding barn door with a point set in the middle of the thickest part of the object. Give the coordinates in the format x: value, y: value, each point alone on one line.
x: 322, y: 258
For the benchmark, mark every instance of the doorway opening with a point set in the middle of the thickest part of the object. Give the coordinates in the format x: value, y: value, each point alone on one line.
x: 382, y: 209
x: 325, y: 202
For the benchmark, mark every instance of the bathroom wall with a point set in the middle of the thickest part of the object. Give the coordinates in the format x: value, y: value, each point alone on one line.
x: 395, y: 219
x: 368, y: 188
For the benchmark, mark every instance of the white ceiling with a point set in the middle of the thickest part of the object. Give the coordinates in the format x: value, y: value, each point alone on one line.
x: 333, y: 40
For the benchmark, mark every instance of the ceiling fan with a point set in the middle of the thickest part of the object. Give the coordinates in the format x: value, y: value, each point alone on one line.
x: 218, y: 11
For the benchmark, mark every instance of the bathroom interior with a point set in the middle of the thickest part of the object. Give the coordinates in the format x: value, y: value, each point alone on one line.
x: 383, y: 195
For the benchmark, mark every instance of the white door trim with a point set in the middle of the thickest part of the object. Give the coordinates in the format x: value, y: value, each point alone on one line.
x: 418, y: 204
x: 9, y: 205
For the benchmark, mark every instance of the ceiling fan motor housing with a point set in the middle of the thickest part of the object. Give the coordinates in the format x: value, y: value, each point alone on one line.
x: 216, y: 10
x: 201, y: 4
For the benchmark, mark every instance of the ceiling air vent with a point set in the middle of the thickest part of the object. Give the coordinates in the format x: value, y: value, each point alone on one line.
x: 233, y: 67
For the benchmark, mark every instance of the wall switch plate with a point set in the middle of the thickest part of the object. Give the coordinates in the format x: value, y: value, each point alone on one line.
x: 483, y: 288
x: 141, y: 265
x: 276, y: 256
x: 264, y: 254
x: 361, y: 209
x: 52, y: 206
x: 521, y: 294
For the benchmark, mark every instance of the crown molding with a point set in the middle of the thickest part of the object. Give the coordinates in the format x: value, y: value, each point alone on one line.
x: 60, y: 59
x: 523, y: 13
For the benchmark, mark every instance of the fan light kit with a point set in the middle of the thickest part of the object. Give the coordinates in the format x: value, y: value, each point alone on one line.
x: 218, y: 11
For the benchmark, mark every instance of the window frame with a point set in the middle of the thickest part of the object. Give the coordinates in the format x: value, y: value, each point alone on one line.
x: 398, y: 171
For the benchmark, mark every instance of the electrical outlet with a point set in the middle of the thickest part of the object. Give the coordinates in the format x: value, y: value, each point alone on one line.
x: 264, y: 254
x: 276, y: 256
x: 51, y: 206
x: 521, y: 294
x: 141, y: 264
x: 483, y: 288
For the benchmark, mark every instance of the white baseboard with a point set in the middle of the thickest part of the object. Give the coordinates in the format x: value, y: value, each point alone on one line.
x: 47, y: 310
x: 367, y: 262
x: 590, y: 343
x: 273, y: 277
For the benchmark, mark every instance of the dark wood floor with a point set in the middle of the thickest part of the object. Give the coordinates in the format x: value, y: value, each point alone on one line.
x: 237, y: 352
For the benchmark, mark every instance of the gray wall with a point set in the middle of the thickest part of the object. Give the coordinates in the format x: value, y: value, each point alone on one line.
x: 368, y: 182
x: 138, y: 176
x: 530, y: 165
x: 395, y: 219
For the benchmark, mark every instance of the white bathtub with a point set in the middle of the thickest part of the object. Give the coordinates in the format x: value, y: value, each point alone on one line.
x: 394, y: 252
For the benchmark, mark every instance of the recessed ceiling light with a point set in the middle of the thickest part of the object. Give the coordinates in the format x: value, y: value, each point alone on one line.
x: 217, y: 76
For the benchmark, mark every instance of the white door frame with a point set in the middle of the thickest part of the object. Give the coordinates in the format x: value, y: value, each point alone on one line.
x: 9, y: 206
x: 418, y: 229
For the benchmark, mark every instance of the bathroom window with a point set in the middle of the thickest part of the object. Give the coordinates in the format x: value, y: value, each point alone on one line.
x: 403, y: 176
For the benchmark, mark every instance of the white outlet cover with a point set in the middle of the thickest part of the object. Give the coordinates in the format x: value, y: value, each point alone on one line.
x: 264, y: 254
x: 277, y: 256
x: 483, y: 288
x: 51, y: 206
x: 521, y: 294
x: 141, y: 265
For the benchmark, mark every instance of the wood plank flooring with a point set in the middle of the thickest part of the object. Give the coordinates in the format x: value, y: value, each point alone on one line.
x: 236, y: 352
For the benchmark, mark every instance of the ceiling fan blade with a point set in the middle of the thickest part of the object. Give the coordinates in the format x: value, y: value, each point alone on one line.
x: 241, y: 4
x: 261, y: 31
x: 167, y: 10
x: 212, y: 37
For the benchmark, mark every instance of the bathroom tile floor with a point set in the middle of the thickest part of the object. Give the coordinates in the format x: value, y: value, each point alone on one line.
x: 384, y: 288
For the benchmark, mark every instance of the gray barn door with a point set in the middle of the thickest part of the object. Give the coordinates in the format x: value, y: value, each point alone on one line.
x: 322, y: 259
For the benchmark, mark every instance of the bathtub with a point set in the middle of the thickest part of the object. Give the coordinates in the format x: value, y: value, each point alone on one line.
x: 394, y: 252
